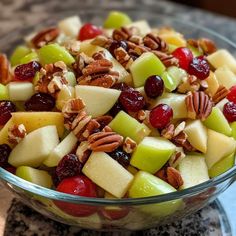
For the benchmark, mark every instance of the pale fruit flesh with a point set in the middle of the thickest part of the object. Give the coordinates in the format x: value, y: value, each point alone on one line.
x: 20, y: 91
x: 225, y: 77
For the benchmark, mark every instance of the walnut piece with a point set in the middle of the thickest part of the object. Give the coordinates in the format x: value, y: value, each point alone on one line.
x: 16, y: 133
x: 129, y: 145
x: 5, y: 73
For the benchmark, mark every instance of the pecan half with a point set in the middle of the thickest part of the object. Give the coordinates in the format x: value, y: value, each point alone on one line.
x: 105, y: 141
x: 5, y: 74
x: 45, y: 36
x: 103, y: 120
x: 102, y: 41
x: 154, y: 42
x: 56, y: 84
x: 123, y: 57
x: 207, y: 45
x: 199, y: 105
x: 16, y: 133
x: 83, y: 152
x: 167, y: 59
x: 122, y: 33
x: 220, y: 94
x: 129, y: 145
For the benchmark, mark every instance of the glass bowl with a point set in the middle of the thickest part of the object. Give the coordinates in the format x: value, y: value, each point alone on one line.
x: 134, y: 214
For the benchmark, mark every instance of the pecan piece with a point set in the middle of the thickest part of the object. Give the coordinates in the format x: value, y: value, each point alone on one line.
x: 123, y: 57
x: 154, y: 42
x: 129, y: 145
x: 220, y: 94
x: 122, y: 34
x: 83, y: 152
x: 181, y: 141
x: 105, y: 141
x: 103, y: 120
x: 102, y: 41
x: 167, y: 59
x: 16, y: 133
x: 45, y: 36
x: 5, y: 74
x: 207, y: 45
x: 72, y: 107
x: 176, y: 157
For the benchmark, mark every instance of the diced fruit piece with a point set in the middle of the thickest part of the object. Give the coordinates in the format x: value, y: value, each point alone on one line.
x: 225, y: 76
x: 160, y: 116
x: 147, y: 185
x: 169, y: 82
x: 116, y: 19
x: 17, y: 54
x: 233, y: 127
x: 20, y: 91
x: 218, y: 146
x: 127, y: 126
x: 229, y: 111
x: 142, y: 26
x: 105, y: 98
x: 154, y: 86
x: 221, y: 104
x: 71, y: 79
x: 222, y: 57
x: 4, y: 95
x: 197, y: 135
x: 177, y: 74
x: 35, y: 147
x: 6, y: 108
x: 184, y: 55
x: 146, y: 65
x: 173, y: 38
x: 62, y: 149
x: 193, y: 170
x: 81, y: 186
x: 66, y: 93
x: 110, y: 175
x: 213, y: 84
x: 222, y: 166
x: 216, y: 121
x: 4, y: 132
x: 33, y: 56
x: 52, y: 53
x: 152, y: 153
x: 89, y: 31
x: 70, y: 26
x: 232, y: 94
x: 39, y: 177
x: 5, y: 151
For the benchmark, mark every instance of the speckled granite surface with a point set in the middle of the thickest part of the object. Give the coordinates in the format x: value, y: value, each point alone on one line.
x: 15, y: 14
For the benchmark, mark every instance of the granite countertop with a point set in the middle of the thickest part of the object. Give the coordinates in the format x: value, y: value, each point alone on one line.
x: 20, y: 13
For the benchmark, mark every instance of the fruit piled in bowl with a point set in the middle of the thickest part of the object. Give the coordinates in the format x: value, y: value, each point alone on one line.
x: 119, y: 111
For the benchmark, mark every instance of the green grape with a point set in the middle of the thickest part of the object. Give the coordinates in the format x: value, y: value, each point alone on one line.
x: 32, y: 56
x: 4, y: 95
x: 18, y: 53
x: 116, y: 20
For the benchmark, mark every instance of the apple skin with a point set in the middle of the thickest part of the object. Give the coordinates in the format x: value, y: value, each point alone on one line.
x: 169, y: 82
x: 222, y: 166
x: 233, y: 127
x: 4, y: 95
x: 152, y: 153
x: 18, y: 53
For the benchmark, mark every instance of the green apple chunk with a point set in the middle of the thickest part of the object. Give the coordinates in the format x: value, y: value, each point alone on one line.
x: 108, y: 174
x: 177, y: 74
x: 222, y: 166
x: 35, y: 147
x: 70, y: 26
x: 233, y: 127
x: 4, y: 95
x: 193, y: 170
x: 17, y: 54
x: 33, y: 56
x: 222, y: 57
x: 218, y: 146
x: 169, y: 82
x: 116, y: 19
x: 146, y: 65
x: 127, y: 126
x: 216, y: 121
x: 225, y: 77
x: 147, y: 185
x: 152, y: 153
x: 98, y: 100
x: 39, y: 177
x: 20, y: 91
x: 142, y: 26
x: 197, y: 135
x: 62, y: 149
x: 52, y: 53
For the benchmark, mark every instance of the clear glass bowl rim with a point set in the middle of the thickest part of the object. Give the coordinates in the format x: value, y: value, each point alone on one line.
x: 52, y: 194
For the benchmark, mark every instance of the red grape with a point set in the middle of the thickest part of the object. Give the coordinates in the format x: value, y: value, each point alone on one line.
x: 184, y: 55
x: 154, y: 86
x: 89, y: 31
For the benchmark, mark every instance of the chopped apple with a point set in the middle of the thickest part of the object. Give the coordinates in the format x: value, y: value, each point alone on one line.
x: 173, y: 38
x: 225, y: 76
x: 116, y: 19
x: 20, y: 91
x: 4, y: 94
x: 146, y: 65
x: 222, y: 166
x: 4, y: 132
x: 39, y: 177
x: 177, y: 74
x: 152, y: 153
x: 142, y: 26
x: 71, y: 79
x: 221, y: 104
x: 218, y: 146
x: 233, y: 127
x: 213, y: 84
x: 34, y: 147
x: 127, y: 126
x: 66, y: 93
x: 62, y: 149
x: 169, y: 82
x: 193, y: 170
x: 32, y: 56
x: 108, y: 174
x: 70, y: 26
x: 98, y: 100
x: 197, y: 135
x: 217, y: 121
x: 222, y: 57
x: 17, y: 54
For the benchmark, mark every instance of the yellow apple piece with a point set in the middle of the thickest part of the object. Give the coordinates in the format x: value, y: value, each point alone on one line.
x: 4, y: 132
x: 225, y: 76
x: 20, y: 91
x: 66, y: 93
x: 213, y: 84
x: 173, y: 38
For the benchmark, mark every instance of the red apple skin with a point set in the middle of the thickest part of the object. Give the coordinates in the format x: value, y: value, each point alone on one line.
x: 112, y: 214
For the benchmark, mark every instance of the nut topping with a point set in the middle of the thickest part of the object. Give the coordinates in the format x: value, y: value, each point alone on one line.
x: 167, y: 59
x: 5, y: 74
x: 83, y: 151
x: 155, y: 43
x: 123, y: 57
x: 72, y: 107
x: 176, y: 157
x: 129, y: 145
x: 122, y: 34
x: 220, y: 94
x: 16, y: 133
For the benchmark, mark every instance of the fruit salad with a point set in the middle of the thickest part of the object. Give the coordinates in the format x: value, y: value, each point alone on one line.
x: 121, y: 110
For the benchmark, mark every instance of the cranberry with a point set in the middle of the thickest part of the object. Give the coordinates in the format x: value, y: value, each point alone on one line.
x: 117, y: 44
x: 232, y: 94
x: 122, y: 87
x: 6, y: 108
x: 114, y: 213
x: 68, y: 166
x: 40, y: 102
x: 27, y: 71
x: 229, y: 111
x: 121, y: 157
x: 154, y: 86
x: 89, y: 31
x: 160, y: 116
x: 116, y: 109
x: 11, y: 169
x: 81, y: 186
x: 199, y: 67
x: 184, y: 55
x: 5, y: 151
x: 132, y: 100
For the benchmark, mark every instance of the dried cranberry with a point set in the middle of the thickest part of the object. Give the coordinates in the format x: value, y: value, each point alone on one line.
x: 27, y: 71
x: 154, y: 86
x: 184, y: 55
x: 68, y: 166
x: 116, y: 109
x: 6, y: 108
x: 121, y: 157
x: 229, y: 111
x: 88, y: 31
x: 199, y: 67
x: 5, y: 151
x: 122, y: 87
x: 117, y: 44
x: 232, y: 94
x: 160, y: 116
x: 132, y: 100
x: 40, y: 102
